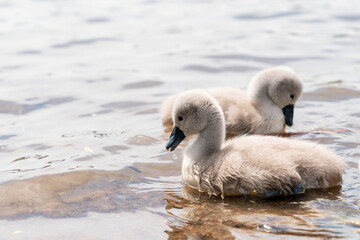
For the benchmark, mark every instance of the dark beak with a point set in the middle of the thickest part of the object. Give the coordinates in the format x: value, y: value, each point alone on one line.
x: 288, y: 112
x: 175, y: 139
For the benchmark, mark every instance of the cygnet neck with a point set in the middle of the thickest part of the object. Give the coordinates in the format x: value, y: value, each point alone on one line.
x: 210, y: 139
x: 261, y: 100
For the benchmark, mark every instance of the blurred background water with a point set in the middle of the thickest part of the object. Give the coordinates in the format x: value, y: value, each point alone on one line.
x: 81, y: 143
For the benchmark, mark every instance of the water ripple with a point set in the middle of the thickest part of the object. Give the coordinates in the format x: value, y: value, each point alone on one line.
x: 207, y: 69
x: 11, y: 107
x: 254, y: 16
x: 269, y: 60
x: 83, y: 42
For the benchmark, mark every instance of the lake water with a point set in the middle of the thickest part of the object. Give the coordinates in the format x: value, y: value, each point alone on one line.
x: 82, y: 146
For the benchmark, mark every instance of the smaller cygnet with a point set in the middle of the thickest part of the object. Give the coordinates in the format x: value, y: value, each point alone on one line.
x: 266, y: 107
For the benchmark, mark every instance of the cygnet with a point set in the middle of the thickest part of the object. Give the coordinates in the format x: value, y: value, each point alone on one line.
x: 264, y: 166
x: 266, y: 107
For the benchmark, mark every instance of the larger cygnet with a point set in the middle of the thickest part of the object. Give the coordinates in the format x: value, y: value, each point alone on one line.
x: 246, y: 165
x: 265, y: 108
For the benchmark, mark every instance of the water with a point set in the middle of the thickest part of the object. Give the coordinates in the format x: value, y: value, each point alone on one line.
x: 82, y: 147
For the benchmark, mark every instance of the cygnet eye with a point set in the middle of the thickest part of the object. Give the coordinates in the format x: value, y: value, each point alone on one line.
x: 180, y: 118
x: 292, y: 96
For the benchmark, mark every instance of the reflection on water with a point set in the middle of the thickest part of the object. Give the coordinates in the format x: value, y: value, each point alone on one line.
x: 215, y: 217
x: 82, y: 147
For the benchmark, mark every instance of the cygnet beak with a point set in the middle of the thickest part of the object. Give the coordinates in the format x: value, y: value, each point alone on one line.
x: 175, y: 139
x: 288, y: 112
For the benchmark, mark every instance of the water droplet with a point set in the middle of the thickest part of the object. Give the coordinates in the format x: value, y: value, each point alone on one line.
x: 174, y: 155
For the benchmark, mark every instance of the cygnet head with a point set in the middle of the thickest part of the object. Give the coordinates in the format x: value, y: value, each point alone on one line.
x: 193, y: 111
x: 279, y: 84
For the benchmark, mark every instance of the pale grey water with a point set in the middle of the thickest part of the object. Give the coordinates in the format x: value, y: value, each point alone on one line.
x: 82, y: 146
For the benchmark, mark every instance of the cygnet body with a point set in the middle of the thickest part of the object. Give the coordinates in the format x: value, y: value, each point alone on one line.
x: 266, y: 107
x: 246, y: 165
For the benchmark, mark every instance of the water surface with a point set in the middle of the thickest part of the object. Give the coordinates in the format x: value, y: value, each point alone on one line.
x: 81, y: 144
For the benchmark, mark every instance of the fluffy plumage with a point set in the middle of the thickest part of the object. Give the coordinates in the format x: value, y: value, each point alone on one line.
x: 246, y: 165
x: 257, y: 111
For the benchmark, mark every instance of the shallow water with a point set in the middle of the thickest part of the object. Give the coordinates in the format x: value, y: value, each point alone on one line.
x: 82, y: 146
